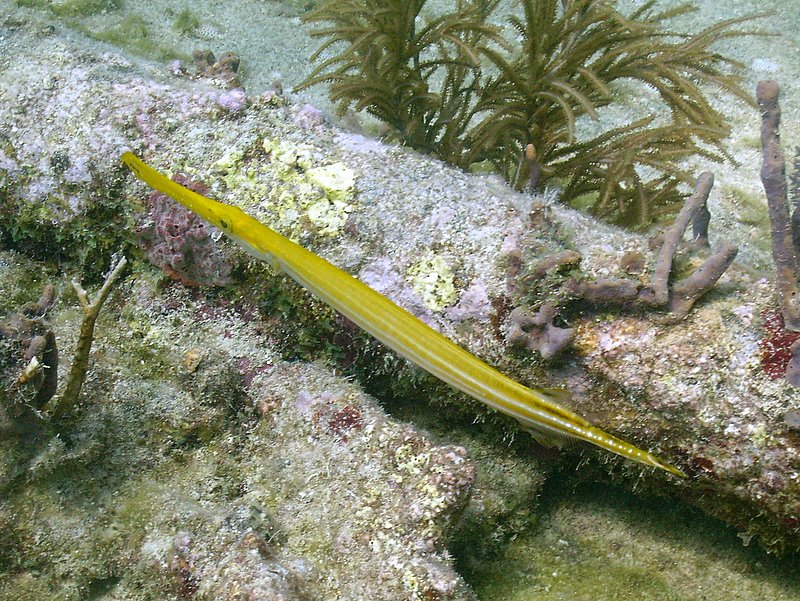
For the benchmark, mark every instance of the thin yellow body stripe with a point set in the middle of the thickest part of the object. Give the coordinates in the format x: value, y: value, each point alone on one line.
x: 393, y: 325
x: 440, y: 356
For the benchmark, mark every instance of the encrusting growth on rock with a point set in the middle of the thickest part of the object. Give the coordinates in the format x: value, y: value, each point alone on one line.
x: 180, y: 243
x: 537, y: 331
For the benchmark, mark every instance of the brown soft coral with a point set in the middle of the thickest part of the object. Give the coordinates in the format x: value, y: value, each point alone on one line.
x: 28, y: 359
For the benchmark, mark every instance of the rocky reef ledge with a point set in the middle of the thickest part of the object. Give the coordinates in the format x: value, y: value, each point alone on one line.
x: 201, y: 462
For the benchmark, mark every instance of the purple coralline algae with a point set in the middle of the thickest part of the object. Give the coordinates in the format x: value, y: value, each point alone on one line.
x: 233, y: 101
x: 308, y: 117
x: 181, y: 243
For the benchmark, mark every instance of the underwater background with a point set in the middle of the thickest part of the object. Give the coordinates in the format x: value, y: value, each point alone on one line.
x: 160, y: 494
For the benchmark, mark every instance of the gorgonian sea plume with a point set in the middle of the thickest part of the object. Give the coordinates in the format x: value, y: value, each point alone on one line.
x: 421, y: 80
x: 465, y: 89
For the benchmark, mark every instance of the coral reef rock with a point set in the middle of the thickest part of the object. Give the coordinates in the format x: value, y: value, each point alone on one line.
x: 174, y: 484
x: 693, y: 392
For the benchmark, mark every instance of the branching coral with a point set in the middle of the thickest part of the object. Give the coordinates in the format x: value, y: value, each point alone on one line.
x: 538, y: 332
x: 460, y: 90
x: 62, y: 404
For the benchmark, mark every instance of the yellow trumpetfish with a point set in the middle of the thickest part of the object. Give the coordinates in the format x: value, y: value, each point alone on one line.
x: 535, y: 409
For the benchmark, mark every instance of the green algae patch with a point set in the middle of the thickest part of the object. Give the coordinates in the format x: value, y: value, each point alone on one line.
x: 21, y: 281
x: 74, y: 8
x: 146, y: 345
x: 133, y: 33
x: 751, y: 208
x: 130, y: 32
x: 84, y: 8
x: 43, y: 232
x: 309, y: 333
x: 561, y: 572
x: 596, y: 542
x: 185, y: 22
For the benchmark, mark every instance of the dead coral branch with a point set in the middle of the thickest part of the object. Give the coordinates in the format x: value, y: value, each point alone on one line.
x: 536, y: 330
x: 64, y: 403
x: 773, y: 177
x: 685, y: 292
x: 659, y: 285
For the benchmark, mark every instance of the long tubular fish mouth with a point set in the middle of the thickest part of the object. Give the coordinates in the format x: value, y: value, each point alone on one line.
x: 536, y: 409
